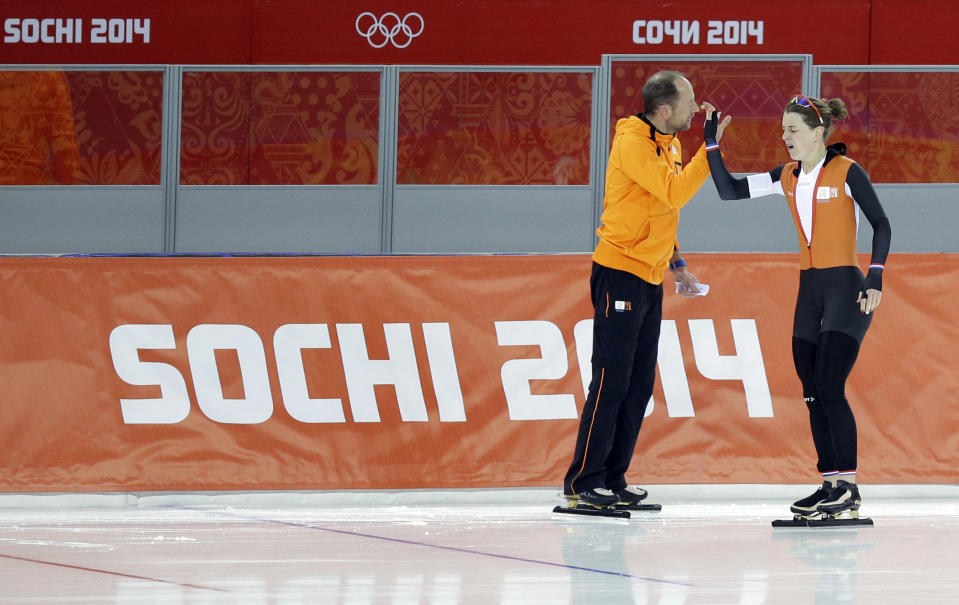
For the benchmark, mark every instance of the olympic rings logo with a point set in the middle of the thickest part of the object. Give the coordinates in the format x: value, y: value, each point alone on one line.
x: 380, y: 31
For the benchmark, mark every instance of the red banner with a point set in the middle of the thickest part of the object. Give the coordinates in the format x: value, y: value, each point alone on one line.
x: 118, y: 32
x: 561, y: 32
x: 903, y: 32
x: 128, y: 374
x: 478, y: 32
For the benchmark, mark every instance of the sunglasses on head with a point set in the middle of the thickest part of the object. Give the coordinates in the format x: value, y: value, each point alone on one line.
x: 804, y: 102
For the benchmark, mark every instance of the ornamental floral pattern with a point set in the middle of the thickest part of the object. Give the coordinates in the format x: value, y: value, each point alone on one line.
x: 753, y: 92
x: 80, y: 127
x: 280, y: 128
x: 903, y: 126
x: 494, y: 128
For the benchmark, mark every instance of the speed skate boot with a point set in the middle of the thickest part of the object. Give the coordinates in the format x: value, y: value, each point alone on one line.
x: 631, y: 498
x: 808, y: 507
x: 599, y: 497
x: 595, y: 502
x: 844, y: 497
x: 631, y: 494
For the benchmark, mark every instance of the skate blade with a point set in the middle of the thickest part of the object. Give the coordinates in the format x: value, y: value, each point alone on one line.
x: 853, y: 521
x: 843, y: 512
x: 824, y: 521
x: 798, y: 520
x: 639, y: 506
x: 591, y: 511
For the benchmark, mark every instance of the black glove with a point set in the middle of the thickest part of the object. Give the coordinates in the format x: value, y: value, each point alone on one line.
x: 709, y: 129
x: 873, y: 281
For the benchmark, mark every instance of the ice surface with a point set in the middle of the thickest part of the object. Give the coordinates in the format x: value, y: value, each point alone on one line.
x: 287, y: 548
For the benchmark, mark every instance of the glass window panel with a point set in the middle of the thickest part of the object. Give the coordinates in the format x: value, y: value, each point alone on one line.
x: 80, y: 127
x: 280, y: 128
x: 494, y: 128
x: 753, y: 92
x: 903, y: 126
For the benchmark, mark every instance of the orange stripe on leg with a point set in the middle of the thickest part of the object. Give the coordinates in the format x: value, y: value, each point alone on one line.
x: 589, y: 434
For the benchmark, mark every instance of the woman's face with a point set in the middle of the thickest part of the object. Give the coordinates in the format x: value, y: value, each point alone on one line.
x: 801, y: 140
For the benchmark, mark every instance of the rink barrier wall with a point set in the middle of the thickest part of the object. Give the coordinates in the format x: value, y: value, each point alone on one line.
x: 422, y: 372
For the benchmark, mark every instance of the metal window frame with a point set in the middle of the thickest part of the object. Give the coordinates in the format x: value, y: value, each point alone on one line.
x: 608, y: 61
x: 389, y: 117
x: 168, y: 126
x: 819, y: 70
x: 595, y: 73
x: 383, y: 151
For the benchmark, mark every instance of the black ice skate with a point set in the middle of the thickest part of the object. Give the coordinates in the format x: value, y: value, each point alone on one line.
x: 842, y: 506
x: 596, y: 502
x: 809, y: 506
x: 829, y: 506
x: 843, y: 497
x: 631, y: 498
x: 806, y: 509
x: 598, y: 497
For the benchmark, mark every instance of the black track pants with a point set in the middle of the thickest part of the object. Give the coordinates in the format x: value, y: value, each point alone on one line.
x: 626, y: 322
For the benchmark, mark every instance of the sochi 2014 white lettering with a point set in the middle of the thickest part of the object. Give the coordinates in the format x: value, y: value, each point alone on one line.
x: 679, y: 32
x: 72, y: 31
x: 401, y: 370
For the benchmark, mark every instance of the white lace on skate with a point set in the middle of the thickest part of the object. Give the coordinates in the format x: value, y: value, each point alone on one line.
x: 598, y: 497
x: 845, y: 504
x: 599, y: 491
x: 846, y: 496
x: 635, y: 490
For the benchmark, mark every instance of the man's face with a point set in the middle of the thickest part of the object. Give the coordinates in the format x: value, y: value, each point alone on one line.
x: 681, y: 117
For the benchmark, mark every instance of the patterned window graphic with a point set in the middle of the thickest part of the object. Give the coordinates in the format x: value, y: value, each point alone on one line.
x: 494, y: 128
x: 80, y: 127
x: 903, y: 127
x: 753, y: 92
x: 280, y: 128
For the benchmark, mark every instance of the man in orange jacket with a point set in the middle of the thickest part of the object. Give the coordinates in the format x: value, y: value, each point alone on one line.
x: 646, y: 185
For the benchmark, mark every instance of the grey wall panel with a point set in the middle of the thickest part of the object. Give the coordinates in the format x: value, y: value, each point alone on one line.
x: 346, y: 220
x: 923, y: 219
x: 86, y: 220
x: 481, y: 219
x: 709, y: 224
x: 334, y: 220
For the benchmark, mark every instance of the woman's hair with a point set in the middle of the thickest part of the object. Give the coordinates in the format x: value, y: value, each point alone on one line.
x: 831, y: 111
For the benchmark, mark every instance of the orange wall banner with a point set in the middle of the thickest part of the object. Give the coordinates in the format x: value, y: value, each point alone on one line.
x: 157, y: 374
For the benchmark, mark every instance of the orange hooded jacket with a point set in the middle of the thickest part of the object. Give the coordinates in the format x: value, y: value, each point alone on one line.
x: 646, y: 185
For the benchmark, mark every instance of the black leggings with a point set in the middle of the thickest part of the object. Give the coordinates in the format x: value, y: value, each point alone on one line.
x: 823, y: 368
x: 828, y: 329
